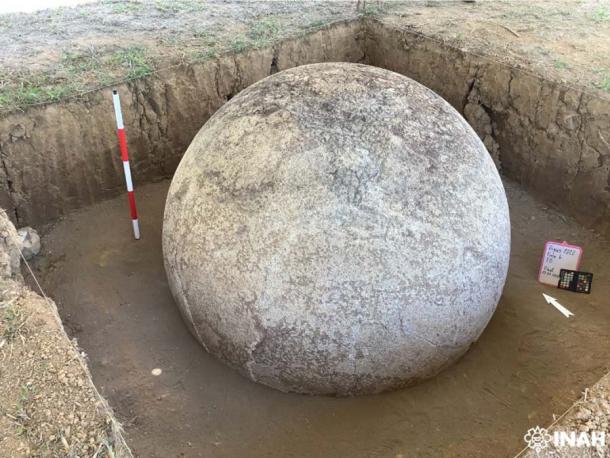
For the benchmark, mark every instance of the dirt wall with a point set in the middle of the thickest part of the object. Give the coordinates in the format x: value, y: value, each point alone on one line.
x: 552, y: 139
x: 63, y: 156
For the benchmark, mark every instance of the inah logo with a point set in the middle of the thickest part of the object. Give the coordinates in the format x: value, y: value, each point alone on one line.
x: 582, y: 439
x: 537, y: 438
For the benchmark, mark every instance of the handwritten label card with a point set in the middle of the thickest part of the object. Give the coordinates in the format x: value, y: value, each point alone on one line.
x: 557, y: 256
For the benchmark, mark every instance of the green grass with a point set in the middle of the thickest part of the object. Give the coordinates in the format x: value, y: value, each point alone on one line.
x: 239, y: 44
x: 374, y: 10
x: 78, y: 71
x: 12, y: 320
x: 207, y: 38
x: 315, y: 24
x: 26, y: 393
x: 560, y: 64
x: 201, y: 34
x: 134, y: 60
x: 21, y: 416
x: 126, y: 7
x: 261, y: 33
x: 205, y: 54
x: 264, y: 30
x: 604, y: 84
x: 77, y: 63
x: 179, y: 6
x: 601, y: 14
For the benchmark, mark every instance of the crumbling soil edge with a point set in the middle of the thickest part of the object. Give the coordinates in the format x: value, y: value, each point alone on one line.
x: 33, y: 340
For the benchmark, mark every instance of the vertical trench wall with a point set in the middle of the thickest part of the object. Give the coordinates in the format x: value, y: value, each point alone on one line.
x: 552, y: 139
x: 63, y: 156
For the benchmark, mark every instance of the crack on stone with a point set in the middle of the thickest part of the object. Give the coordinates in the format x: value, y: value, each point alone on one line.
x: 408, y: 332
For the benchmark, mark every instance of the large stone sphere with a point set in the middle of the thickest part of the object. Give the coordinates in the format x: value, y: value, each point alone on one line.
x: 336, y: 229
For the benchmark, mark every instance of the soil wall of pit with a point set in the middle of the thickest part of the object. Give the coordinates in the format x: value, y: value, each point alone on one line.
x: 552, y: 139
x: 64, y: 156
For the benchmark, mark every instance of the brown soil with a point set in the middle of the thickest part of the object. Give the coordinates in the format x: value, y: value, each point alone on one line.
x: 566, y: 41
x: 54, y: 54
x: 590, y: 413
x: 530, y: 363
x: 48, y: 404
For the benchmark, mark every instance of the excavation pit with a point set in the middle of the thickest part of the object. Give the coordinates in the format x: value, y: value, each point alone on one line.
x: 530, y: 363
x: 173, y: 398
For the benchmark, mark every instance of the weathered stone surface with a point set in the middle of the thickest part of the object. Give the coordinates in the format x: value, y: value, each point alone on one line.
x: 337, y: 229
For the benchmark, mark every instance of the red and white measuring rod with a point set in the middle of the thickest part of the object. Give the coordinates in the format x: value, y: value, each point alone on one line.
x: 126, y: 168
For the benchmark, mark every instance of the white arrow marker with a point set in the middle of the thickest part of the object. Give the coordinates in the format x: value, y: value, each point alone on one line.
x: 557, y: 305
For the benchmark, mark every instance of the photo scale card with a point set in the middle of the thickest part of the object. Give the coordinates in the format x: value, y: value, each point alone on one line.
x: 557, y: 256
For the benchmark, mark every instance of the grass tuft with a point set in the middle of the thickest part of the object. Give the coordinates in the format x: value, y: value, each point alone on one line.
x: 179, y: 6
x: 601, y: 14
x: 207, y: 38
x: 604, y: 84
x: 560, y: 64
x: 205, y: 54
x: 12, y: 322
x: 134, y: 60
x: 239, y: 44
x: 374, y: 10
x: 76, y: 63
x: 315, y: 24
x: 264, y: 31
x: 126, y: 7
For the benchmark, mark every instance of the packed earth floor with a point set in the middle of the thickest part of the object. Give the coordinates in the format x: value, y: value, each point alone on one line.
x: 531, y: 362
